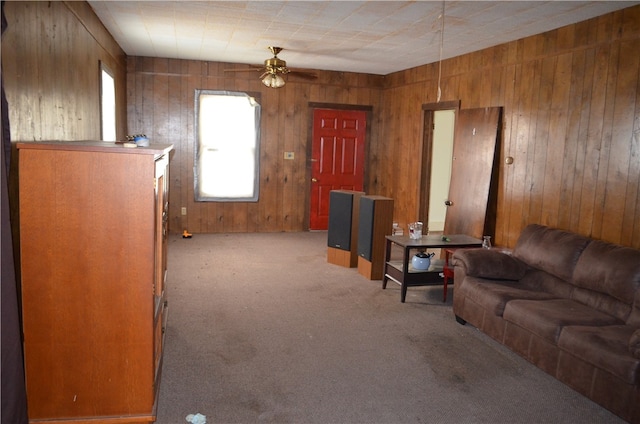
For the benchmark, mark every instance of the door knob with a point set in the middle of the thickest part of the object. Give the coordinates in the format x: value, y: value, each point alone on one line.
x: 448, y: 203
x: 315, y: 180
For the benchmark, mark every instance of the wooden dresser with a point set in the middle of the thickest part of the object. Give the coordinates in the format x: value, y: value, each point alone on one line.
x: 93, y: 244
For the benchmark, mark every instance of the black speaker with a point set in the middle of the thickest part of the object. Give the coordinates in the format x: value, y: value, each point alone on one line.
x: 341, y: 204
x: 342, y: 239
x: 374, y: 223
x: 365, y: 229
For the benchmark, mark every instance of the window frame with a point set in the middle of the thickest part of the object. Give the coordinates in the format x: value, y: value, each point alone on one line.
x: 199, y: 196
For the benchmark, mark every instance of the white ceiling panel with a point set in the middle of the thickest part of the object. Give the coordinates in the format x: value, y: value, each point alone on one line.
x: 377, y: 37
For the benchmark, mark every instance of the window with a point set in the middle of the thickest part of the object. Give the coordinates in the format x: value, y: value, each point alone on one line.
x: 226, y: 166
x: 107, y: 104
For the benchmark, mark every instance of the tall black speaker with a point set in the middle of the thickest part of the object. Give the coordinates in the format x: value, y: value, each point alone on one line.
x: 375, y: 222
x: 365, y: 230
x: 343, y: 227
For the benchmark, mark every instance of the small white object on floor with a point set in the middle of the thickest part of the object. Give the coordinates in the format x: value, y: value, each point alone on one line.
x: 196, y: 418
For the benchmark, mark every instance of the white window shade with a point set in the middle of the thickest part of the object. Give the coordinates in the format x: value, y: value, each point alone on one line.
x: 227, y: 152
x: 107, y: 104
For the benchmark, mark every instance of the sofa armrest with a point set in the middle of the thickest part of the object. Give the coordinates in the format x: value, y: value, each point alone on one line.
x: 489, y: 263
x: 634, y: 344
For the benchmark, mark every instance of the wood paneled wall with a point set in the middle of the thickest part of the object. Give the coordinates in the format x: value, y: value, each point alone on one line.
x: 161, y: 105
x: 51, y: 53
x: 570, y: 98
x: 571, y: 121
x: 50, y: 61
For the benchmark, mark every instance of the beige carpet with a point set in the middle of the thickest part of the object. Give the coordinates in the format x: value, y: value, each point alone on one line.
x: 262, y: 329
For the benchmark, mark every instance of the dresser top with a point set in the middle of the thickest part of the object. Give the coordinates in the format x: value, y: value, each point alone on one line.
x: 94, y: 146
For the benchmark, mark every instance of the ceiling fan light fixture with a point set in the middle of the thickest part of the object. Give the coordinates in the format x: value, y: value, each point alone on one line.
x: 273, y: 71
x: 273, y: 80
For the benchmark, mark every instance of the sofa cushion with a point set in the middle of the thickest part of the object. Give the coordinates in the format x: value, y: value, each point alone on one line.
x: 540, y: 280
x: 602, y: 302
x: 604, y: 347
x: 551, y: 250
x: 494, y: 295
x: 634, y: 316
x: 609, y: 268
x: 634, y: 344
x: 546, y: 318
x: 489, y: 263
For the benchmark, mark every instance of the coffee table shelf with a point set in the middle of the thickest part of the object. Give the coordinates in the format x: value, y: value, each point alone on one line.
x: 401, y: 271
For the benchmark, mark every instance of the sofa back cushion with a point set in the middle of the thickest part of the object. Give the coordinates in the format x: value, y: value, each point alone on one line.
x: 551, y: 250
x: 634, y: 344
x: 601, y: 302
x: 610, y: 277
x: 543, y: 281
x: 634, y: 317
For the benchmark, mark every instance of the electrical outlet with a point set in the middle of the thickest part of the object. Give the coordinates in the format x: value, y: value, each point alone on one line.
x: 288, y: 155
x: 184, y: 210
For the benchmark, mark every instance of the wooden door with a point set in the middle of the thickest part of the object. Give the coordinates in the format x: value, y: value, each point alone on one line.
x: 337, y: 159
x: 474, y: 152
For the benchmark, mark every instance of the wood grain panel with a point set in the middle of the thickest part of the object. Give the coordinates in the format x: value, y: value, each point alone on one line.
x: 50, y: 53
x: 161, y: 105
x: 570, y: 101
x: 552, y: 201
x: 573, y: 169
x: 607, y: 119
x: 622, y: 181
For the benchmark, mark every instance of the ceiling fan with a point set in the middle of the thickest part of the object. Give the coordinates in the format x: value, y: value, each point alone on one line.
x: 273, y: 70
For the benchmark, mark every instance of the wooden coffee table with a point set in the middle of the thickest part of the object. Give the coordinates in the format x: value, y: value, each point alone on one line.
x: 404, y: 274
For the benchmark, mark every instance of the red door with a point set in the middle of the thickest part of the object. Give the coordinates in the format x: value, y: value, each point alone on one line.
x: 337, y: 158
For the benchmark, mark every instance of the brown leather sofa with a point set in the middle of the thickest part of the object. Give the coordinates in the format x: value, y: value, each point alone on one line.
x: 567, y: 303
